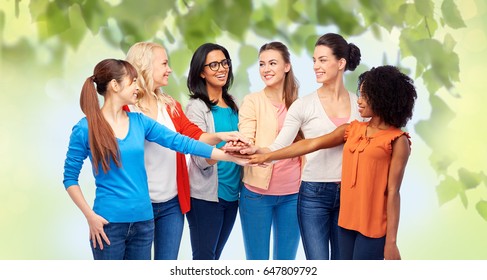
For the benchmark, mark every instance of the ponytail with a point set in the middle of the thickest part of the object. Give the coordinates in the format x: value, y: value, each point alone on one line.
x: 102, y: 141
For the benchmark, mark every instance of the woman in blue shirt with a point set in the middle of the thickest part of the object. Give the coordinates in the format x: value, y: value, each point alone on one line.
x: 121, y: 221
x: 215, y: 186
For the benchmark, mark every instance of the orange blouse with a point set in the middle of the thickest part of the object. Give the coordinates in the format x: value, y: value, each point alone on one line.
x: 365, y: 170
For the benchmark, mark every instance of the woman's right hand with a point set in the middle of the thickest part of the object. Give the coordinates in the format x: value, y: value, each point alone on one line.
x: 96, y: 223
x: 259, y: 159
x: 236, y: 149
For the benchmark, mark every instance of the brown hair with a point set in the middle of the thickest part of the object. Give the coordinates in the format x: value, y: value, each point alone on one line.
x: 341, y: 49
x: 291, y: 84
x: 103, y: 143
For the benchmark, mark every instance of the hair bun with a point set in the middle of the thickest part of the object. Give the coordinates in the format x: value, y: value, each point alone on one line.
x: 353, y: 57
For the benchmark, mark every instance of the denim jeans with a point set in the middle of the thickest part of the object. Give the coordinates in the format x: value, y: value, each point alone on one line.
x: 318, y: 205
x: 258, y: 213
x: 169, y: 223
x: 356, y: 246
x: 210, y: 224
x: 128, y: 241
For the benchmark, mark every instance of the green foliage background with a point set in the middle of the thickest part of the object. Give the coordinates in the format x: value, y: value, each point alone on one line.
x: 48, y: 47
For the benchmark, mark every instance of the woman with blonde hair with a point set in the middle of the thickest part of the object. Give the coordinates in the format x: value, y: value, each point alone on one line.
x: 167, y: 171
x: 121, y: 221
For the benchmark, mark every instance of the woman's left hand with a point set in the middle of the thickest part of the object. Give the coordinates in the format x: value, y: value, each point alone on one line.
x: 391, y: 252
x: 233, y: 136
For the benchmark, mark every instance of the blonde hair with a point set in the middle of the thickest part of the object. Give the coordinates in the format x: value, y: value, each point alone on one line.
x: 140, y: 55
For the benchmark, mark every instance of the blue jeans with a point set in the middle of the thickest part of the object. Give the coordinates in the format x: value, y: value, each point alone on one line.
x: 128, y: 241
x: 258, y: 213
x: 356, y: 246
x: 210, y: 224
x: 169, y: 223
x: 318, y: 205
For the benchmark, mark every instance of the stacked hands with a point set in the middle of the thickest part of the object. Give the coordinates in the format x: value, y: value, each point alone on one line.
x: 242, y: 147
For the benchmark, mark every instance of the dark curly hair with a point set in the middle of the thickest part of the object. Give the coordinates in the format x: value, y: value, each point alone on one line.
x: 390, y: 94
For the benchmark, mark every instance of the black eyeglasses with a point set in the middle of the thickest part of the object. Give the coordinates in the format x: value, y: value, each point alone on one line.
x: 215, y: 65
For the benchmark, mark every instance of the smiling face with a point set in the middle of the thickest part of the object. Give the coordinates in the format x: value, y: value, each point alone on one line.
x: 272, y: 68
x: 218, y: 78
x: 160, y: 68
x: 363, y: 106
x: 326, y: 65
x: 128, y: 90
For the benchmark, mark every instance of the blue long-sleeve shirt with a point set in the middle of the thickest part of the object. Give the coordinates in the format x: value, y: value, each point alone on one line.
x: 122, y: 193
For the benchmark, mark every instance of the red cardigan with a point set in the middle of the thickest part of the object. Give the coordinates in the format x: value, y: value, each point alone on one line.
x: 185, y: 127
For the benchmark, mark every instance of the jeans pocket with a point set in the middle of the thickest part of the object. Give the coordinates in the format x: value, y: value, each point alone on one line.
x: 252, y: 195
x: 310, y: 189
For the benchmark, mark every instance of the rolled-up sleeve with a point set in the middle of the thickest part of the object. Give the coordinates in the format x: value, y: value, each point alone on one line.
x: 77, y: 152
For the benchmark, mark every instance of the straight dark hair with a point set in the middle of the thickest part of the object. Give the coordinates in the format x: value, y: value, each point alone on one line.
x: 341, y: 49
x: 197, y: 85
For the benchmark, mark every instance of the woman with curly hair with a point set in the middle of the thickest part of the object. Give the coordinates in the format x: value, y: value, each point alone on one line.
x: 314, y: 115
x: 375, y: 155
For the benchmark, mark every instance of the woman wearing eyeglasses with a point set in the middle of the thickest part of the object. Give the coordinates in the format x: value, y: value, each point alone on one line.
x: 215, y: 186
x: 167, y: 173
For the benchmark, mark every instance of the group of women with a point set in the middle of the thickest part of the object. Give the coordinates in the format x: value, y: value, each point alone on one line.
x: 137, y: 140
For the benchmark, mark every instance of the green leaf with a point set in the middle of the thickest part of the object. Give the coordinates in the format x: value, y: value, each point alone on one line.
x: 481, y: 207
x: 441, y: 161
x: 449, y: 43
x: 351, y: 77
x: 197, y: 27
x: 484, y: 178
x: 448, y: 189
x: 410, y: 36
x: 232, y: 16
x: 300, y: 35
x: 295, y: 11
x: 433, y: 82
x: 173, y: 89
x: 265, y: 28
x: 179, y: 60
x: 2, y: 22
x: 169, y: 36
x: 463, y: 199
x: 131, y: 34
x: 410, y: 15
x: 56, y: 21
x: 75, y: 34
x: 441, y: 67
x: 451, y: 14
x: 424, y: 7
x: 247, y: 55
x: 469, y: 179
x: 332, y: 12
x: 38, y: 9
x: 441, y: 116
x: 112, y: 35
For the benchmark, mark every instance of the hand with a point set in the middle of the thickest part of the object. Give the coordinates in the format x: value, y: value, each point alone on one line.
x: 234, y: 146
x: 233, y: 136
x: 249, y: 150
x: 259, y: 159
x: 241, y: 161
x: 96, y: 223
x: 391, y: 252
